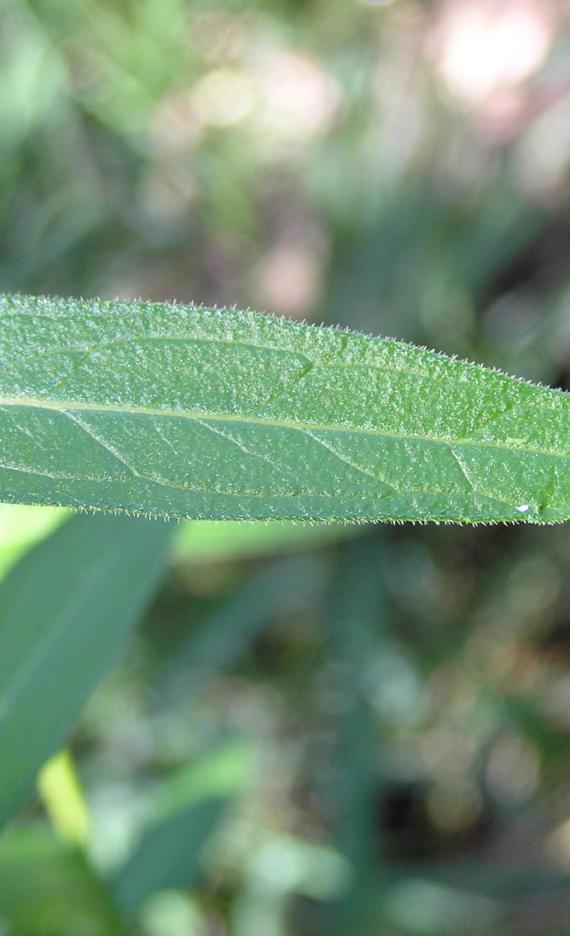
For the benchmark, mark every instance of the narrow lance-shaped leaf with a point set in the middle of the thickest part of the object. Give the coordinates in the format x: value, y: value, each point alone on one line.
x: 182, y: 411
x: 64, y: 612
x: 187, y: 809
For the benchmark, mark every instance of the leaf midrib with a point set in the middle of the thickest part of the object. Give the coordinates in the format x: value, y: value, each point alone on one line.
x: 60, y: 406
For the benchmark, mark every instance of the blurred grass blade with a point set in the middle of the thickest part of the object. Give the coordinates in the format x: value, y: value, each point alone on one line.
x: 64, y: 612
x: 189, y: 807
x: 225, y: 635
x: 358, y: 624
x: 169, y: 855
x: 180, y: 411
x: 48, y: 889
x: 62, y: 796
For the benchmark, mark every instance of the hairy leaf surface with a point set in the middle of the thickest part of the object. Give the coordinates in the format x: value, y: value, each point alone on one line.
x: 190, y: 412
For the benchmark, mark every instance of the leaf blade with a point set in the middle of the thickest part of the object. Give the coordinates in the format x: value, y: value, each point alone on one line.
x: 64, y: 612
x: 184, y: 411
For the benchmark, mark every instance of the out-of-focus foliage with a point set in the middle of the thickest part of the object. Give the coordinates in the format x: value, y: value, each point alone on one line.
x: 400, y: 701
x: 64, y: 613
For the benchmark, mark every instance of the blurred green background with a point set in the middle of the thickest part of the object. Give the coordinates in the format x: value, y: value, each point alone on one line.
x: 358, y: 731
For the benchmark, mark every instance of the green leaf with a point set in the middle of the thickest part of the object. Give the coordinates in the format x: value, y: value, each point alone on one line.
x: 64, y: 612
x: 189, y: 806
x: 182, y: 411
x: 169, y: 856
x: 21, y: 527
x: 48, y: 888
